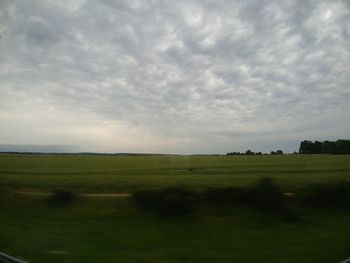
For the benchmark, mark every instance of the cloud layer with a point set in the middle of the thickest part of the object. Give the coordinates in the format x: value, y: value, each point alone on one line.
x: 174, y: 76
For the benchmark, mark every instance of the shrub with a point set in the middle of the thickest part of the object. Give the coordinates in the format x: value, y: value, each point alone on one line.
x: 62, y: 198
x: 336, y: 195
x: 171, y: 201
x: 176, y: 201
x: 267, y: 196
x: 4, y: 194
x: 223, y: 197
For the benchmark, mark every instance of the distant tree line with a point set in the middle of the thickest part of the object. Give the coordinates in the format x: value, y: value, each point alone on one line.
x: 309, y: 147
x: 250, y: 152
x: 328, y: 147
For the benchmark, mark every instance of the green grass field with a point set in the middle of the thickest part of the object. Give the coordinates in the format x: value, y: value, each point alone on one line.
x: 112, y: 230
x: 126, y: 173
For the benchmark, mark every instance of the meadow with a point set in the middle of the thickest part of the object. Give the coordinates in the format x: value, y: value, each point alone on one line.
x: 111, y: 229
x: 90, y: 174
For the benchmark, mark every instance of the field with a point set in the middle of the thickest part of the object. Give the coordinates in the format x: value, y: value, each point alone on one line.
x: 126, y: 173
x: 110, y: 229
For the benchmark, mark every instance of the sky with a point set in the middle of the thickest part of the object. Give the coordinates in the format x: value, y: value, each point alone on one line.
x: 173, y: 76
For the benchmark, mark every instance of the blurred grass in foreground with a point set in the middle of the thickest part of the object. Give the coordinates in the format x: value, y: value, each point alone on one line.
x: 110, y: 230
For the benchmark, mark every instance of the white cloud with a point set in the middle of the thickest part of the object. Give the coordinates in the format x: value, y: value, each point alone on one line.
x: 164, y: 76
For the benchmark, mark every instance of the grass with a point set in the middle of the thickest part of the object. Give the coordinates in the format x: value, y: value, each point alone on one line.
x: 112, y: 230
x: 126, y: 173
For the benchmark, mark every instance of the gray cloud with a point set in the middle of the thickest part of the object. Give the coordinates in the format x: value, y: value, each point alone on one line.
x: 167, y: 76
x: 38, y: 148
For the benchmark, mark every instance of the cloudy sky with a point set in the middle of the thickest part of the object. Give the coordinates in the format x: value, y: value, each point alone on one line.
x: 173, y: 76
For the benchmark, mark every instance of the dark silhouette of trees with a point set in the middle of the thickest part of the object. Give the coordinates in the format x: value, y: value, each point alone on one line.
x: 234, y: 153
x: 278, y: 152
x: 306, y: 147
x: 317, y: 147
x: 249, y: 152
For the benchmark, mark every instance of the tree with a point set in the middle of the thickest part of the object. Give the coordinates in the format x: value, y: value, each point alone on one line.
x: 249, y: 152
x: 317, y: 147
x: 305, y: 147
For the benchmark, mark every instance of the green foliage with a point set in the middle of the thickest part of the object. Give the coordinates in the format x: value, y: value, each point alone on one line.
x: 4, y: 194
x: 325, y: 196
x: 61, y: 198
x: 265, y: 195
x: 278, y: 152
x: 249, y: 152
x: 223, y: 197
x: 337, y: 147
x: 172, y: 201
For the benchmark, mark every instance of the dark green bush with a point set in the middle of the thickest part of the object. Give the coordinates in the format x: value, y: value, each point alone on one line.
x: 171, y: 201
x: 4, y: 194
x: 61, y: 198
x: 175, y: 201
x: 334, y: 195
x: 223, y: 197
x: 266, y: 196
